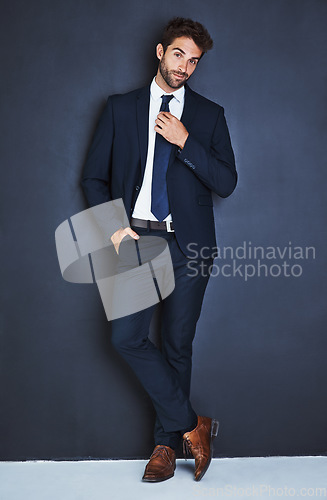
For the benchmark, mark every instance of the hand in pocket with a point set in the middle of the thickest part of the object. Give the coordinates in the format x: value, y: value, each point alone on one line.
x: 118, y: 236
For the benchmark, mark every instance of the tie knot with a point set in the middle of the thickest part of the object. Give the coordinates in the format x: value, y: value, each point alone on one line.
x: 166, y: 98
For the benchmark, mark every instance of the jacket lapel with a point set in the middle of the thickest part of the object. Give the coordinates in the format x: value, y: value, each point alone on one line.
x: 190, y: 104
x: 142, y: 110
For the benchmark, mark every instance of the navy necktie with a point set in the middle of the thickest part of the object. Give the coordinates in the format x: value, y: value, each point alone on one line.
x: 162, y: 150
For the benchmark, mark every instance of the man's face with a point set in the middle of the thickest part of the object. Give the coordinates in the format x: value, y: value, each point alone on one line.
x: 178, y: 62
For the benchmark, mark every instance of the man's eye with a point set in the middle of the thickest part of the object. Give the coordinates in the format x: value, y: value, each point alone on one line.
x: 177, y: 54
x: 192, y: 61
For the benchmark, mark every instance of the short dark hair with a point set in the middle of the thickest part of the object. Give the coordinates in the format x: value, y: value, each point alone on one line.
x: 181, y: 26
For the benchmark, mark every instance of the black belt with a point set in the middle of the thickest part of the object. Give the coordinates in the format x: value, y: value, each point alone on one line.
x: 153, y: 224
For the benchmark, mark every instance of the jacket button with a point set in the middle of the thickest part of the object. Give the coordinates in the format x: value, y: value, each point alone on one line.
x: 137, y: 188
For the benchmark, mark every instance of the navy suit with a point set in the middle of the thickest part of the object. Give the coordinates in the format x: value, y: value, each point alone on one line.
x: 116, y: 162
x: 114, y: 169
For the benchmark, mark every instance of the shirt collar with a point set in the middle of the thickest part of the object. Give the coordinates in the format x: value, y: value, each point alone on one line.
x: 157, y: 92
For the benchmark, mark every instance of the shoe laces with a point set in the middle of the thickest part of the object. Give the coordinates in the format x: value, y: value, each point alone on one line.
x: 163, y: 452
x: 187, y: 445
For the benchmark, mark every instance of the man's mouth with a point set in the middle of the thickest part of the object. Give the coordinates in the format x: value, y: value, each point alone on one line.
x: 178, y: 75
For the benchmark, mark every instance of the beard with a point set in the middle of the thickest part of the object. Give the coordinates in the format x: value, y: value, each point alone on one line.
x: 169, y: 76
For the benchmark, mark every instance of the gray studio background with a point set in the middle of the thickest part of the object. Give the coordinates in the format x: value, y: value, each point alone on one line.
x: 260, y: 349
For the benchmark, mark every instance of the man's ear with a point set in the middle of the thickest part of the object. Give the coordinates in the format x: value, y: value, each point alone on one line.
x: 159, y: 51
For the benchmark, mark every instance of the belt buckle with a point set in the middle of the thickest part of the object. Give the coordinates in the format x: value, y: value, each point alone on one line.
x: 168, y: 226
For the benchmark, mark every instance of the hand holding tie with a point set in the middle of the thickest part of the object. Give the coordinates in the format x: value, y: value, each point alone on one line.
x: 171, y: 128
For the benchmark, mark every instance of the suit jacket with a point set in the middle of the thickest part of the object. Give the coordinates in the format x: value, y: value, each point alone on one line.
x: 116, y: 161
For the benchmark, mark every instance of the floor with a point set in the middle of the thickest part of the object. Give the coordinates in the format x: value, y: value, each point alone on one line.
x: 271, y: 477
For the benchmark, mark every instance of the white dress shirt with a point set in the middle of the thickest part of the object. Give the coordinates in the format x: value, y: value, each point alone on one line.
x: 142, y: 209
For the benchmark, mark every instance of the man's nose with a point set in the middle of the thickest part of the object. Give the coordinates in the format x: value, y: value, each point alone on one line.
x: 182, y: 66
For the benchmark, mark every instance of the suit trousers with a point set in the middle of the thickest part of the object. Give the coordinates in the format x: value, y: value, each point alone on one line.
x: 166, y: 373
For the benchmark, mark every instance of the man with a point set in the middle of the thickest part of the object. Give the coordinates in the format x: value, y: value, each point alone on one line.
x: 163, y: 149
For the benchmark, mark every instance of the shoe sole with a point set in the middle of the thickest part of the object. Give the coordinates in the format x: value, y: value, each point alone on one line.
x: 156, y: 480
x: 213, y: 434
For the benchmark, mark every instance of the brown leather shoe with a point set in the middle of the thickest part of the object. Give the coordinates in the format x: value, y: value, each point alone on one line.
x: 161, y: 465
x: 199, y: 443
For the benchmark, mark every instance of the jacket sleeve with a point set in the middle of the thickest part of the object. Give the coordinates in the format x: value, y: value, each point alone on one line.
x: 95, y: 179
x: 214, y: 166
x: 97, y: 173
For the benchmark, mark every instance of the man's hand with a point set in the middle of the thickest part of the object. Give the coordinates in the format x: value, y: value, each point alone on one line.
x: 120, y: 234
x: 171, y: 128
